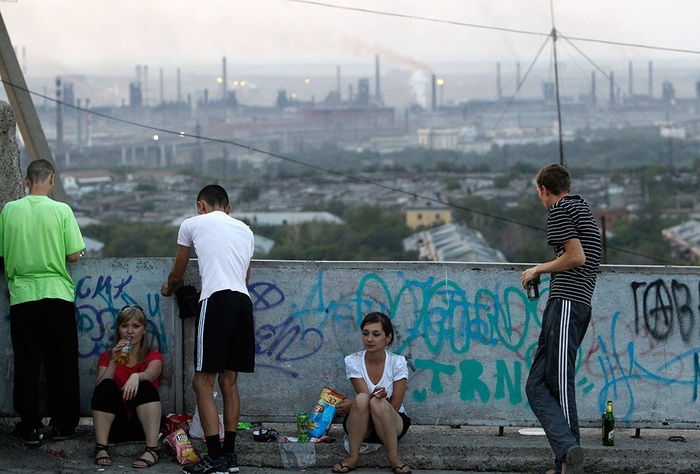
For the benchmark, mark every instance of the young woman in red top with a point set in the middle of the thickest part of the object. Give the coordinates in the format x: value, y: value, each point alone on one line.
x: 126, y: 404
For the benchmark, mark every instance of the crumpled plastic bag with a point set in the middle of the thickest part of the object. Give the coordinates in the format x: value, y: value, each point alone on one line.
x: 366, y: 448
x: 197, y: 431
x: 297, y: 455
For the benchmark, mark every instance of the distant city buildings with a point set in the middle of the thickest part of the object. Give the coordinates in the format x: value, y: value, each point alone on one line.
x: 684, y: 240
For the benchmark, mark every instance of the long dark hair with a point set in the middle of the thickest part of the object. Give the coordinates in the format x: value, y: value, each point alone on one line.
x: 377, y: 317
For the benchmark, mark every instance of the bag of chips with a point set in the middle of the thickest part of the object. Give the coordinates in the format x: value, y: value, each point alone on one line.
x: 182, y: 447
x: 322, y: 415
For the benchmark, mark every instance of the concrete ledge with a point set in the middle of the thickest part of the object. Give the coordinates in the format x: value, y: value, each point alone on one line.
x: 431, y: 448
x: 479, y: 448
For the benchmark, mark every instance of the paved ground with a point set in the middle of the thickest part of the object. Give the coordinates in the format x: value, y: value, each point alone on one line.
x: 427, y: 449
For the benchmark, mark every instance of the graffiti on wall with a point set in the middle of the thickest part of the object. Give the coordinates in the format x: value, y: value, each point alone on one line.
x: 482, y: 343
x: 99, y: 298
x: 461, y: 337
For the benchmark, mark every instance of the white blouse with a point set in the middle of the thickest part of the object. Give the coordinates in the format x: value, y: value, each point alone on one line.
x: 395, y: 368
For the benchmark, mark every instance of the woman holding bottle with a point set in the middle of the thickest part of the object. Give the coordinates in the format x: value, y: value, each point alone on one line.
x: 376, y: 414
x: 126, y: 404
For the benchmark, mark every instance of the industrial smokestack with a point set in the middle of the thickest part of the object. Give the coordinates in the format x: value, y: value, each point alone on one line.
x: 517, y: 76
x: 499, y: 91
x: 146, y: 92
x: 59, y: 117
x: 631, y: 80
x: 651, y: 80
x: 337, y: 75
x: 612, y: 87
x: 433, y: 93
x: 161, y: 86
x: 223, y: 78
x: 376, y: 73
x: 594, y: 98
x: 179, y: 87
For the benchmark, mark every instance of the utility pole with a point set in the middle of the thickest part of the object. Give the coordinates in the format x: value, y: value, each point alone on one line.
x: 21, y: 102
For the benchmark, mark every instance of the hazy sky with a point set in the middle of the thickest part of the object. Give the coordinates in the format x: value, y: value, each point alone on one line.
x: 88, y: 36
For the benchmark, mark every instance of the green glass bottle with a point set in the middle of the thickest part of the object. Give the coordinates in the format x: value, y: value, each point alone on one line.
x: 608, y: 425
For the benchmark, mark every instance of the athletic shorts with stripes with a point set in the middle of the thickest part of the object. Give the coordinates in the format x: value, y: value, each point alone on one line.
x: 225, y: 337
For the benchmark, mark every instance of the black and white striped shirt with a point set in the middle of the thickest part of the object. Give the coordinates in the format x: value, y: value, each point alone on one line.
x: 571, y: 218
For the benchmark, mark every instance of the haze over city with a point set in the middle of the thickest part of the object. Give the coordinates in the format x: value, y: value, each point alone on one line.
x: 95, y: 36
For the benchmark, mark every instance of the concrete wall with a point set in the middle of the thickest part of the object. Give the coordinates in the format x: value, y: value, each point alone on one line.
x: 467, y: 330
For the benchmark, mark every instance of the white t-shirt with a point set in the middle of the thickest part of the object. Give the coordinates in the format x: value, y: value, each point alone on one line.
x: 395, y: 368
x: 224, y: 247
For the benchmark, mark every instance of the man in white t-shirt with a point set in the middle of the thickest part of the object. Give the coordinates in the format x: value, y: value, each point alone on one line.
x: 225, y: 337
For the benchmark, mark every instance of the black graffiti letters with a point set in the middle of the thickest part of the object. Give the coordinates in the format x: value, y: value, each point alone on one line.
x: 659, y: 310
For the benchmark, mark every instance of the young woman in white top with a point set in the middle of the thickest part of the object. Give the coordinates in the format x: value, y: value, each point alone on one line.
x: 376, y: 414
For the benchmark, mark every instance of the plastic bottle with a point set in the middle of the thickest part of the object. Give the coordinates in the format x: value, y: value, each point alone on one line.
x: 608, y: 425
x: 123, y: 357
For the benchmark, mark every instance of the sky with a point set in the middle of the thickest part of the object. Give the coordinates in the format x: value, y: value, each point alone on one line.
x: 92, y: 36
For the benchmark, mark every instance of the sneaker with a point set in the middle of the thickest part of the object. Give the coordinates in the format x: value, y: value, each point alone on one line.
x: 232, y: 461
x: 574, y: 460
x: 208, y: 466
x: 28, y: 436
x: 60, y: 434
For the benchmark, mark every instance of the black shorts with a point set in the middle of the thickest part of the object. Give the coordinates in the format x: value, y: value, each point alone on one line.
x: 225, y: 337
x: 372, y: 436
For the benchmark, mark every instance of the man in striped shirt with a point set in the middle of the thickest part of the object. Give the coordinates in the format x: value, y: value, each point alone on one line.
x: 550, y: 388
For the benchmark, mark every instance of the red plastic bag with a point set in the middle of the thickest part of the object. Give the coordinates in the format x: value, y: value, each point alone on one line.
x: 173, y: 422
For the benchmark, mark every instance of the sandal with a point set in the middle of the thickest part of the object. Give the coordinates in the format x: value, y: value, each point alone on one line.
x: 400, y: 469
x: 342, y: 468
x: 104, y: 461
x: 153, y: 452
x: 265, y: 435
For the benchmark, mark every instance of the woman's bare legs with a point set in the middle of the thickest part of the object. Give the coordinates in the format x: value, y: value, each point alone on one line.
x: 357, y: 426
x: 102, y: 423
x: 149, y: 415
x: 388, y: 425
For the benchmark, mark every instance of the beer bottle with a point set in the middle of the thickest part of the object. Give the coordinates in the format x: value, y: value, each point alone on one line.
x: 533, y: 290
x: 123, y: 357
x: 608, y: 425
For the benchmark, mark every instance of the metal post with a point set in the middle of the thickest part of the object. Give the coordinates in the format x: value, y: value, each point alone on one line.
x: 27, y: 119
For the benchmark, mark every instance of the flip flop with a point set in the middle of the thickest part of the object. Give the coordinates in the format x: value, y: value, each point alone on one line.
x: 399, y: 469
x: 343, y: 468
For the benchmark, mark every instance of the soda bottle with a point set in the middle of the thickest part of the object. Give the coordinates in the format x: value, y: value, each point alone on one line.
x: 123, y: 357
x: 608, y: 425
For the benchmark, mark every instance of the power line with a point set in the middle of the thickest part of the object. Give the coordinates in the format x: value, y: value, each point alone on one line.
x: 494, y: 28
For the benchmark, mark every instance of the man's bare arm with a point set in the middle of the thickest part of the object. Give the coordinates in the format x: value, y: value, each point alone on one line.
x: 177, y: 274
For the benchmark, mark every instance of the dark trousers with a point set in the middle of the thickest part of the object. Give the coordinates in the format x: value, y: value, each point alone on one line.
x: 126, y: 426
x: 550, y: 386
x: 45, y: 330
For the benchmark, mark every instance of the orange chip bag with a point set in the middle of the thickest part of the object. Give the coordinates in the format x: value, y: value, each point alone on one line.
x: 182, y: 446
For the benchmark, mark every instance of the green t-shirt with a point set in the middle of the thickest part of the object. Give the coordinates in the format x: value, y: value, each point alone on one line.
x: 36, y: 235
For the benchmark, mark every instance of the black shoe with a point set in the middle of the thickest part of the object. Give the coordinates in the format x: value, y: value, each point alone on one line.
x: 232, y: 461
x: 60, y: 434
x: 574, y: 460
x: 28, y: 436
x: 208, y: 466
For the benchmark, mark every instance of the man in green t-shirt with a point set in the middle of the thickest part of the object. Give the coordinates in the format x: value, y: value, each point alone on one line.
x: 37, y: 237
